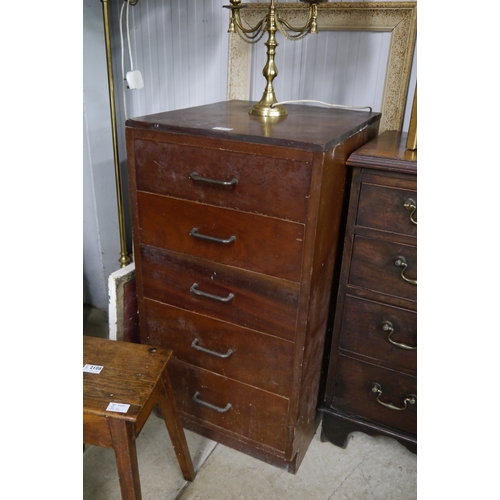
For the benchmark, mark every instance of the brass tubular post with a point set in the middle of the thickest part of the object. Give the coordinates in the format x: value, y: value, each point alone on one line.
x: 124, y: 258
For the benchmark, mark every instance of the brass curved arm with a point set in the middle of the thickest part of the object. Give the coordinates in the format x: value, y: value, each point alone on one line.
x: 250, y: 33
x: 256, y: 30
x: 311, y: 25
x: 289, y: 27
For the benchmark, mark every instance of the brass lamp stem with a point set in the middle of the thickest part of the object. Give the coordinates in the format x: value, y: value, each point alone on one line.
x: 124, y: 258
x: 270, y: 71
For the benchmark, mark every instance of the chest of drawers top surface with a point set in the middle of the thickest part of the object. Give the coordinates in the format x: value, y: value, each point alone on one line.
x: 387, y: 152
x: 307, y: 127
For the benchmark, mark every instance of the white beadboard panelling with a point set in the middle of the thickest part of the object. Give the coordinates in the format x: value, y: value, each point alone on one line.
x: 338, y: 67
x: 180, y: 47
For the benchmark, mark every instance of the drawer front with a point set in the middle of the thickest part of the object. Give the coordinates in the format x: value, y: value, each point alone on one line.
x: 374, y: 266
x: 250, y: 357
x: 381, y: 332
x: 254, y: 414
x: 260, y: 244
x: 247, y: 299
x: 272, y: 186
x: 383, y: 208
x: 353, y: 393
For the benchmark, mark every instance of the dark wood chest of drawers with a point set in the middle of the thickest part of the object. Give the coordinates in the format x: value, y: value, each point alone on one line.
x: 372, y: 376
x: 237, y: 226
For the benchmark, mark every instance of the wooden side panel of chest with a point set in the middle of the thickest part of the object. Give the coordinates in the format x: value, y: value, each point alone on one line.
x: 235, y: 247
x: 371, y: 382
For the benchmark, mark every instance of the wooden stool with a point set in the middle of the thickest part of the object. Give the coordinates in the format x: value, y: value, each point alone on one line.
x: 118, y: 399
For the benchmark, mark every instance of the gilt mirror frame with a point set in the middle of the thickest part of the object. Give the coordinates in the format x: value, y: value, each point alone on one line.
x: 398, y: 18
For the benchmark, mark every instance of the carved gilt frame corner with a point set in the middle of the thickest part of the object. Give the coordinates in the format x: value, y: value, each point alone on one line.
x: 398, y: 18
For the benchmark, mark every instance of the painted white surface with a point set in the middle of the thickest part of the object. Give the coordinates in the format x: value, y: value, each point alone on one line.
x: 113, y: 281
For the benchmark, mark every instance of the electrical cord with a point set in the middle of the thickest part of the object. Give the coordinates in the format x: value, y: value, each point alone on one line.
x: 124, y: 79
x: 128, y: 38
x: 340, y: 106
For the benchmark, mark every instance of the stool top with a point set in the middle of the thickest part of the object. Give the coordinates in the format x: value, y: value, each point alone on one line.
x: 130, y: 373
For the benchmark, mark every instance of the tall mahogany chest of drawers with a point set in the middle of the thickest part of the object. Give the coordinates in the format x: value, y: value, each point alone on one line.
x: 236, y: 224
x: 372, y: 376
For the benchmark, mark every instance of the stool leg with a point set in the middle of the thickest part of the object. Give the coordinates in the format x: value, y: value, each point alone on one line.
x: 168, y: 407
x: 123, y: 434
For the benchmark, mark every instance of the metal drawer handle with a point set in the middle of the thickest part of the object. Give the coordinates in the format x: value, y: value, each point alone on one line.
x: 401, y: 262
x: 208, y: 351
x: 195, y: 177
x: 194, y: 289
x: 195, y: 234
x: 208, y: 405
x: 409, y: 399
x: 388, y: 327
x: 411, y: 205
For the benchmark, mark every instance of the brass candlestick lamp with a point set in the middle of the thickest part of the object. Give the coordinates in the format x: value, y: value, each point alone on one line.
x: 271, y: 22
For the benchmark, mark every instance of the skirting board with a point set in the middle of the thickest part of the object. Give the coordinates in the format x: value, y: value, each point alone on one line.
x: 123, y: 315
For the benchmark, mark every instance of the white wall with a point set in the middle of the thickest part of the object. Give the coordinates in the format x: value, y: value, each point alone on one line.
x: 181, y: 47
x: 101, y: 249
